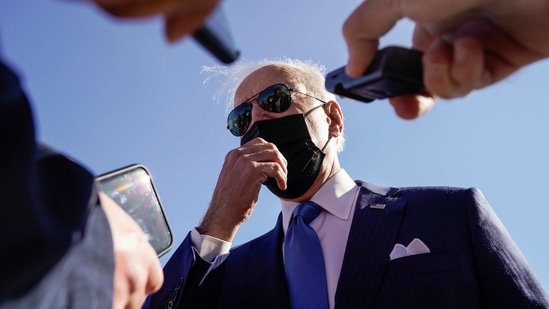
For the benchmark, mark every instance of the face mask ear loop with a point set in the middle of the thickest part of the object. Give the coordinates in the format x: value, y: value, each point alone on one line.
x: 316, y: 154
x: 312, y: 109
x: 329, y: 138
x: 305, y: 116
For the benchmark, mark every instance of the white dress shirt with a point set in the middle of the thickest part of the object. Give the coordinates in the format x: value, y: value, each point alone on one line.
x: 338, y: 198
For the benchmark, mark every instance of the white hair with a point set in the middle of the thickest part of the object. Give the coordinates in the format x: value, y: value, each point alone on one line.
x: 232, y: 76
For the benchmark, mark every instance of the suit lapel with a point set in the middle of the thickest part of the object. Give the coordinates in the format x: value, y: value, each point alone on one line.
x: 371, y: 239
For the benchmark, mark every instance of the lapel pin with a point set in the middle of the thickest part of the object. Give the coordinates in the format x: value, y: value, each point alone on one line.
x: 377, y: 206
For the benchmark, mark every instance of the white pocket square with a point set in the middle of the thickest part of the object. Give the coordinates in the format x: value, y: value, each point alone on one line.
x: 416, y: 246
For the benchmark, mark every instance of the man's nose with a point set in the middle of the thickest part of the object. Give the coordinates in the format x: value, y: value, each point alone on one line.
x: 259, y: 114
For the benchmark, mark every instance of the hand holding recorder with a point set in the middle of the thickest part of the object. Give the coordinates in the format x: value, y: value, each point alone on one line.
x: 394, y: 73
x: 467, y: 44
x: 204, y: 20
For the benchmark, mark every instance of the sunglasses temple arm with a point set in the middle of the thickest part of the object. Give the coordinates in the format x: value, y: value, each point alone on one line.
x: 312, y: 109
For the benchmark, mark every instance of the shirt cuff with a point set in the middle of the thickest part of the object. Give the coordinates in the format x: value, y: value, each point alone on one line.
x: 209, y: 247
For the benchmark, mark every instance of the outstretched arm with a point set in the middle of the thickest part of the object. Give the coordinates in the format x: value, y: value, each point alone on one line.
x: 467, y: 44
x: 181, y: 16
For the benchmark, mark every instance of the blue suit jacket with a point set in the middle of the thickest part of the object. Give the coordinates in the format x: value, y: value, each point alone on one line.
x: 473, y: 262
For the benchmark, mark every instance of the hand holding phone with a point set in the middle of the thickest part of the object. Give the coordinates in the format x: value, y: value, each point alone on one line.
x: 394, y: 71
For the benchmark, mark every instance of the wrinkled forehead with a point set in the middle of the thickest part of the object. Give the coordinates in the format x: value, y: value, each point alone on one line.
x: 264, y: 77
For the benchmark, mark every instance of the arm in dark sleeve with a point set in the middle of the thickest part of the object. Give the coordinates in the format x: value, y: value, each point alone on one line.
x: 506, y: 280
x: 184, y: 286
x: 83, y: 278
x: 44, y: 197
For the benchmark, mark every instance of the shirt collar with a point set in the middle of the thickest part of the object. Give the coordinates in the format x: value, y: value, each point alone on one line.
x: 337, y: 196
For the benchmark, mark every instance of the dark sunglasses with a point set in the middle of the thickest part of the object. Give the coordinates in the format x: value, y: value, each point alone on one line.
x: 275, y: 99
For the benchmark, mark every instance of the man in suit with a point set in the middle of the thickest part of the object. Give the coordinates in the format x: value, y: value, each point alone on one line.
x: 417, y: 247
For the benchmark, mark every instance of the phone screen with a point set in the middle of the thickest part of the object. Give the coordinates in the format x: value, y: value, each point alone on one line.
x: 132, y: 188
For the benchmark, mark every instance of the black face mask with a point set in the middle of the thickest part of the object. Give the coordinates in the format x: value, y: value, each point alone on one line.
x: 291, y: 137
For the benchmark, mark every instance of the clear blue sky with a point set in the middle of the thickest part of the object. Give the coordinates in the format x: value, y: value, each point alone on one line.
x: 112, y: 93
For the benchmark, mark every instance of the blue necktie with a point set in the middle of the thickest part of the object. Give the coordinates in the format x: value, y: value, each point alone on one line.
x: 304, y: 261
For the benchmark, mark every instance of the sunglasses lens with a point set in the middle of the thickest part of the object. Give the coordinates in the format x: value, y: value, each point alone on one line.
x: 276, y: 98
x: 239, y: 119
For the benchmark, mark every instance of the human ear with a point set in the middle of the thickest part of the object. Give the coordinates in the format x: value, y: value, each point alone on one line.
x: 335, y: 118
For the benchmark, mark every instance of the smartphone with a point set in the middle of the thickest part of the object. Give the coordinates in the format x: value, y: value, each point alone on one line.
x: 133, y: 189
x: 215, y: 36
x: 394, y: 71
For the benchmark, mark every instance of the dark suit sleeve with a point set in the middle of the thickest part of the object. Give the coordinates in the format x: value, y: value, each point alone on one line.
x: 176, y: 272
x: 504, y: 276
x: 44, y: 198
x: 186, y: 284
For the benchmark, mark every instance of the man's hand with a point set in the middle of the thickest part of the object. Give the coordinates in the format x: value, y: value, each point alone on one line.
x: 137, y: 269
x: 182, y: 17
x: 467, y: 44
x: 238, y: 185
